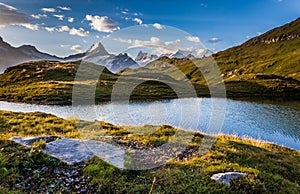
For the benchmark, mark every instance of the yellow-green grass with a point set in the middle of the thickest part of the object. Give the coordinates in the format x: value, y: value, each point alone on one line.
x: 271, y: 168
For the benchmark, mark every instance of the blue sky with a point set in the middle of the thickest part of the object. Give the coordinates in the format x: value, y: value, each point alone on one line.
x: 64, y: 27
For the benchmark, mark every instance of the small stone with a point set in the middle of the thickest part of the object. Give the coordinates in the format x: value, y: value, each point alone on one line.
x: 226, y: 177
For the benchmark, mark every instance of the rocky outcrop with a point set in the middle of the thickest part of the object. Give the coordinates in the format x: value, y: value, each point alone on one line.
x: 283, y: 37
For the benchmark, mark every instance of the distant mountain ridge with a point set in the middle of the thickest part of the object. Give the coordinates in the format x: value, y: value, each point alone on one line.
x: 10, y: 56
x: 97, y: 54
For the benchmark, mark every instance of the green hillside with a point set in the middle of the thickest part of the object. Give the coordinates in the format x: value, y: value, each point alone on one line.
x: 50, y: 82
x: 277, y: 52
x: 267, y: 65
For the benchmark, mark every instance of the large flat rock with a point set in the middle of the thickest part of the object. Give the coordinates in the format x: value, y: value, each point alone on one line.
x: 71, y: 151
x: 74, y: 151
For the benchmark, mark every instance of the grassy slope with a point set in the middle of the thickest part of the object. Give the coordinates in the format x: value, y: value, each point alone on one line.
x: 259, y: 55
x: 52, y: 82
x: 256, y: 67
x: 271, y: 168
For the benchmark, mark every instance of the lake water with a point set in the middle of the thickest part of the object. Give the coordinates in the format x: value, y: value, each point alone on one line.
x: 272, y: 121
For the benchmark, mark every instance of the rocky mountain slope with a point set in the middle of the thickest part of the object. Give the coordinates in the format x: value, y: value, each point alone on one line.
x: 10, y: 56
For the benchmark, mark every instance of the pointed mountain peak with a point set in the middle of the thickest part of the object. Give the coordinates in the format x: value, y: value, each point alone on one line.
x: 97, y: 49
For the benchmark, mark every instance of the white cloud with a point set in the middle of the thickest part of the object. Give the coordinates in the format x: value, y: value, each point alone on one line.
x: 38, y: 16
x: 128, y: 41
x: 45, y: 9
x: 124, y: 12
x: 64, y: 8
x: 159, y: 46
x: 193, y: 39
x: 8, y: 7
x: 158, y: 26
x: 63, y: 29
x: 79, y: 32
x: 214, y: 40
x: 76, y: 48
x: 10, y: 16
x: 173, y: 44
x: 70, y: 19
x: 31, y: 26
x: 136, y: 14
x: 102, y: 23
x: 73, y: 31
x: 59, y: 17
x: 137, y: 20
x: 50, y: 29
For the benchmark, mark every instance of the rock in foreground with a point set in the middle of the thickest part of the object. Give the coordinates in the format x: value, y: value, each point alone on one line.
x: 226, y: 177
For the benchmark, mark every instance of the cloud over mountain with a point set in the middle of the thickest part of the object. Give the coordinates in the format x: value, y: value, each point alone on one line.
x: 193, y: 39
x: 76, y: 48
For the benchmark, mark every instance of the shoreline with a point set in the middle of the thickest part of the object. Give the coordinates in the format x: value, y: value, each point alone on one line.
x: 242, y: 137
x: 240, y: 97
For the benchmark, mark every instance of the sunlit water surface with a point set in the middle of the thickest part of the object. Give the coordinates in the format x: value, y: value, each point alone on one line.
x: 273, y: 121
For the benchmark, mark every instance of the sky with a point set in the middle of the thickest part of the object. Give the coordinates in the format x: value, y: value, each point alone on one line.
x: 64, y: 27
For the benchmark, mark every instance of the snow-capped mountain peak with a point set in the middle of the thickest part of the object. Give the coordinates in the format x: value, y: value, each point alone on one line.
x: 144, y: 58
x: 98, y: 55
x: 97, y: 49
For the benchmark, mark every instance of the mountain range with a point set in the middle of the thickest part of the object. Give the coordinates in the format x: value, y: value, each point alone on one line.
x: 11, y: 56
x: 97, y: 54
x: 264, y: 66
